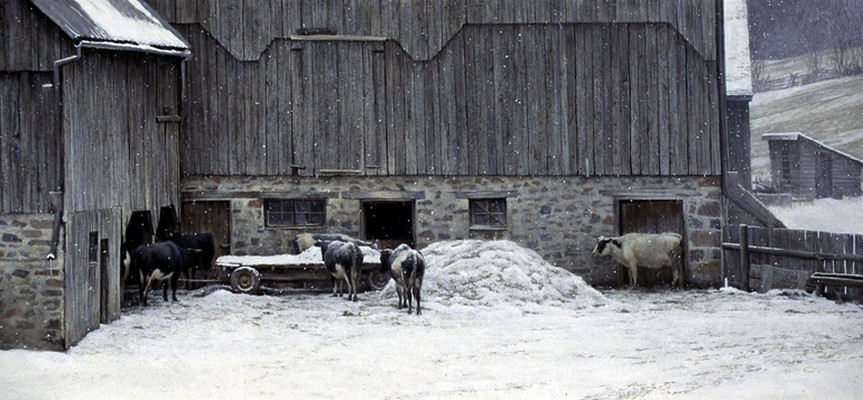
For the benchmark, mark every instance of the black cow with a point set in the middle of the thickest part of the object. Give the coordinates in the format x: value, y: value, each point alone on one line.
x: 201, y: 248
x: 159, y: 261
x: 343, y: 261
x: 407, y: 267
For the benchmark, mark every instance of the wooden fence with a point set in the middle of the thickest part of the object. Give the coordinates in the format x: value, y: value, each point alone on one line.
x: 762, y: 259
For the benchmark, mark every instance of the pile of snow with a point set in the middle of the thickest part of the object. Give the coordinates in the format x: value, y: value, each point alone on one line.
x: 491, y: 273
x: 312, y: 255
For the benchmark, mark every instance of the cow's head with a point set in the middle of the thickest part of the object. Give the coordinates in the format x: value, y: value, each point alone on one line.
x: 603, y: 246
x: 385, y: 260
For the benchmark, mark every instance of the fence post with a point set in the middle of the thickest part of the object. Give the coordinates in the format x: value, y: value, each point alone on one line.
x: 744, y: 257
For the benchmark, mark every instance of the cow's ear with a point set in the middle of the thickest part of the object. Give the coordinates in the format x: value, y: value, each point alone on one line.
x: 617, y: 243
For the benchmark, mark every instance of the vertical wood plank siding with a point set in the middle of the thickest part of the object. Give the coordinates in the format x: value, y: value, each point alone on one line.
x: 84, y: 282
x: 30, y: 153
x: 537, y: 99
x: 125, y: 158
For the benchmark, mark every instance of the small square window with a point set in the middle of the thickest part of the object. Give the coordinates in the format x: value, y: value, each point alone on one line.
x: 294, y: 212
x: 488, y: 213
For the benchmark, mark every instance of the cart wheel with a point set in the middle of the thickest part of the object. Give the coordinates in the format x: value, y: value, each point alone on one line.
x: 246, y: 280
x: 377, y: 280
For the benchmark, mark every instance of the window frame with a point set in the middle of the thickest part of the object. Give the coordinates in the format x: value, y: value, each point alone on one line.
x: 476, y: 205
x: 309, y: 211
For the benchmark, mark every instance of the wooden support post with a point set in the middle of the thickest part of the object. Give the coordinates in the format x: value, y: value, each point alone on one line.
x: 744, y: 257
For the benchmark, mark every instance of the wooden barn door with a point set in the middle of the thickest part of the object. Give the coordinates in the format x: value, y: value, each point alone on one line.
x: 651, y: 216
x: 210, y: 217
x: 92, y: 292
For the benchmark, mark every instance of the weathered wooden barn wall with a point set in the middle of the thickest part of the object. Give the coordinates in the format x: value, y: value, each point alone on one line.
x: 627, y: 95
x: 422, y: 27
x: 118, y: 151
x: 23, y: 24
x: 739, y: 143
x: 30, y: 149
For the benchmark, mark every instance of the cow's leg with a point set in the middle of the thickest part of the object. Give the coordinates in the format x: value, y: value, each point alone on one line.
x: 145, y: 288
x: 355, y: 278
x: 174, y: 280
x: 675, y: 274
x: 418, y: 284
x: 400, y: 290
x: 348, y: 284
x: 409, y: 288
x: 633, y: 275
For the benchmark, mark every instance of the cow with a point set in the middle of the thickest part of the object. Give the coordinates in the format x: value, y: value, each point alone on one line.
x: 201, y: 248
x: 649, y: 250
x: 407, y: 267
x: 158, y: 261
x: 343, y: 261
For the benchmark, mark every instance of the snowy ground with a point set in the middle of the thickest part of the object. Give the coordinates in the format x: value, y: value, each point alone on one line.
x: 498, y: 323
x: 825, y: 215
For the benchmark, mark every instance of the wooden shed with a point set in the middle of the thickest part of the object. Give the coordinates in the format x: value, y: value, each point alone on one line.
x: 89, y: 133
x: 809, y: 169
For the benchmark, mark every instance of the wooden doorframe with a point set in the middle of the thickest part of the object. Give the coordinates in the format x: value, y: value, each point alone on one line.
x: 682, y: 206
x: 220, y: 227
x: 364, y: 233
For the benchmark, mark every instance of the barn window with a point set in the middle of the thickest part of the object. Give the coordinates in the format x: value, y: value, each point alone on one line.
x: 488, y: 213
x: 294, y: 212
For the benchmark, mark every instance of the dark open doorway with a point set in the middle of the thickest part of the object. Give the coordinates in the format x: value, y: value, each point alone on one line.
x: 389, y: 223
x: 652, y: 216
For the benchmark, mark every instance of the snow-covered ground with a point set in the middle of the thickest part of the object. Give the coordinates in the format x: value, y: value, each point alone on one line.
x: 825, y: 215
x: 498, y: 323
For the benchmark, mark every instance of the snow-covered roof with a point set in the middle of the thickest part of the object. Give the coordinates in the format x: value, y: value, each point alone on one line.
x: 794, y: 136
x: 738, y: 66
x: 132, y: 23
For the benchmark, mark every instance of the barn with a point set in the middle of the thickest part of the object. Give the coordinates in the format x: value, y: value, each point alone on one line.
x: 89, y: 136
x: 545, y: 123
x: 809, y: 169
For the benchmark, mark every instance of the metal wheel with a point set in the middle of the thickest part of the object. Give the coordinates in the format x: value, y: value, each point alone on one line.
x: 377, y: 280
x: 246, y: 280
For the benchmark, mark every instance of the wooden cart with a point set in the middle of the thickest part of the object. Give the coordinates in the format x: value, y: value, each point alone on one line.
x: 248, y: 273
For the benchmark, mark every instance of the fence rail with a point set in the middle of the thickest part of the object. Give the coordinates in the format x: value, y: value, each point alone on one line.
x: 762, y: 259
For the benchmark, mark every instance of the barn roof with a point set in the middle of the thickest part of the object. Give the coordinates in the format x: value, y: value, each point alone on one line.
x: 797, y: 136
x: 122, y: 24
x: 738, y: 67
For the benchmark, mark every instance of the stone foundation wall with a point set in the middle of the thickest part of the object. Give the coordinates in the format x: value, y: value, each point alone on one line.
x: 558, y: 217
x: 31, y: 286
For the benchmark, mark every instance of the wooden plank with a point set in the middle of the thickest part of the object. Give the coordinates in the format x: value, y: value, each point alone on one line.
x: 370, y: 112
x: 272, y: 118
x: 449, y: 161
x: 536, y: 98
x: 663, y: 94
x: 471, y: 99
x: 604, y: 74
x: 395, y: 110
x: 556, y: 88
x: 625, y: 101
x: 518, y: 136
x: 584, y: 94
x: 461, y: 117
x: 653, y: 116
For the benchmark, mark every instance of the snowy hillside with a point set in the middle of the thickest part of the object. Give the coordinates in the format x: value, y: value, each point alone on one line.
x: 828, y: 111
